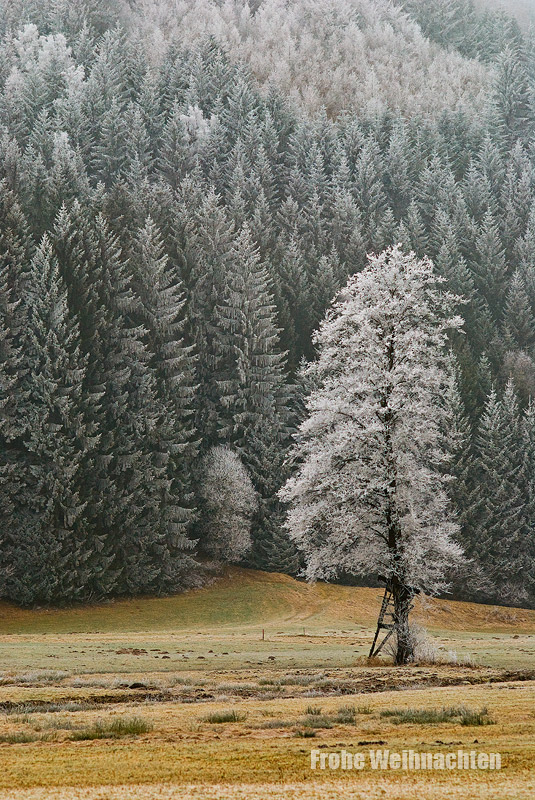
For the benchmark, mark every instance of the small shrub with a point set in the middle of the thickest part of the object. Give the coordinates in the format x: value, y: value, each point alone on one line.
x: 330, y: 684
x: 20, y: 737
x: 313, y: 711
x: 346, y: 715
x: 218, y: 717
x: 417, y: 716
x: 306, y: 733
x: 482, y: 717
x: 98, y: 683
x: 235, y: 688
x: 299, y: 680
x: 114, y: 729
x: 55, y: 724
x: 276, y: 723
x: 316, y: 721
x: 41, y: 676
x: 179, y: 680
x: 434, y: 716
x: 25, y: 719
x: 46, y: 708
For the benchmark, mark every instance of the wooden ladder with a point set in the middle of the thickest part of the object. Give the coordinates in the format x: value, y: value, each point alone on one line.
x: 386, y: 612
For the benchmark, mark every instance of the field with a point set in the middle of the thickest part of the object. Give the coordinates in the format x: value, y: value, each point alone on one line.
x: 223, y: 692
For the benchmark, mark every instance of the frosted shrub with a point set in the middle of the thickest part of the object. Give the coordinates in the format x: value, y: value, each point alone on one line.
x: 228, y: 502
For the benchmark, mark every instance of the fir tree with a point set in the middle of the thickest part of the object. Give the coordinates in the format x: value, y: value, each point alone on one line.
x: 161, y: 311
x: 500, y: 536
x: 254, y: 414
x: 46, y: 546
x: 518, y: 319
x: 512, y: 112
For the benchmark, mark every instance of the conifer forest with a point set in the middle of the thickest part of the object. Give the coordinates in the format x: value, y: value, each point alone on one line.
x: 206, y: 207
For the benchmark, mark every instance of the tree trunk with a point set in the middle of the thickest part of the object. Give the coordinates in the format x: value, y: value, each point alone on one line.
x: 401, y: 593
x: 402, y: 601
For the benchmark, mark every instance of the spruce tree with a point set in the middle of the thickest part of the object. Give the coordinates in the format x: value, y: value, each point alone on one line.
x: 518, y: 319
x: 501, y: 532
x: 253, y: 414
x: 512, y: 113
x: 161, y: 308
x: 205, y: 242
x: 46, y: 543
x: 528, y: 473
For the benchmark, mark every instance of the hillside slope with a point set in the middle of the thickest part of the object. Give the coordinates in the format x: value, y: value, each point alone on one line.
x: 523, y: 10
x: 248, y: 598
x: 363, y: 55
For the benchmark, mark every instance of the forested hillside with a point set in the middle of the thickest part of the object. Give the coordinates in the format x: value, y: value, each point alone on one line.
x: 185, y: 188
x: 523, y: 10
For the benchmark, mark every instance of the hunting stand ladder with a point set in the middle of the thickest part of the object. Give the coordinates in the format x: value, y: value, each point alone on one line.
x: 386, y: 612
x: 387, y: 620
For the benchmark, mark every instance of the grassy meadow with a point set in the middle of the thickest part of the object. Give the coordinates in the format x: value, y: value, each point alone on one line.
x: 223, y: 691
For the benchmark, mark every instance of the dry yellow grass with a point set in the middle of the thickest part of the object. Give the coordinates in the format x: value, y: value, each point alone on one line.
x: 366, y: 789
x: 242, y: 597
x: 220, y: 628
x: 184, y: 750
x: 203, y: 653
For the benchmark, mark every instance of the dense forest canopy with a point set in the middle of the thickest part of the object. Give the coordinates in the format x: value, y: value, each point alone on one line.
x: 185, y: 188
x: 523, y: 10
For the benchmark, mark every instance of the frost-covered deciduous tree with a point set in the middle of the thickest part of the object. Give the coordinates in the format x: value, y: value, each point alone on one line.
x: 370, y: 493
x: 227, y: 503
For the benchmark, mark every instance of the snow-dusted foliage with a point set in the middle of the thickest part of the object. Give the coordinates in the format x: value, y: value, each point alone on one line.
x: 180, y: 200
x: 336, y: 54
x: 370, y: 493
x: 228, y: 502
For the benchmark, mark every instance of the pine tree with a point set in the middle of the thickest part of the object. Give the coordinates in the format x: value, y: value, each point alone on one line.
x: 412, y: 233
x: 250, y: 370
x: 15, y: 254
x: 470, y: 579
x: 489, y: 265
x: 111, y: 152
x: 133, y: 508
x: 180, y: 143
x: 294, y: 299
x: 136, y: 489
x: 369, y: 190
x: 398, y: 170
x: 459, y: 446
x: 14, y: 416
x: 76, y: 247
